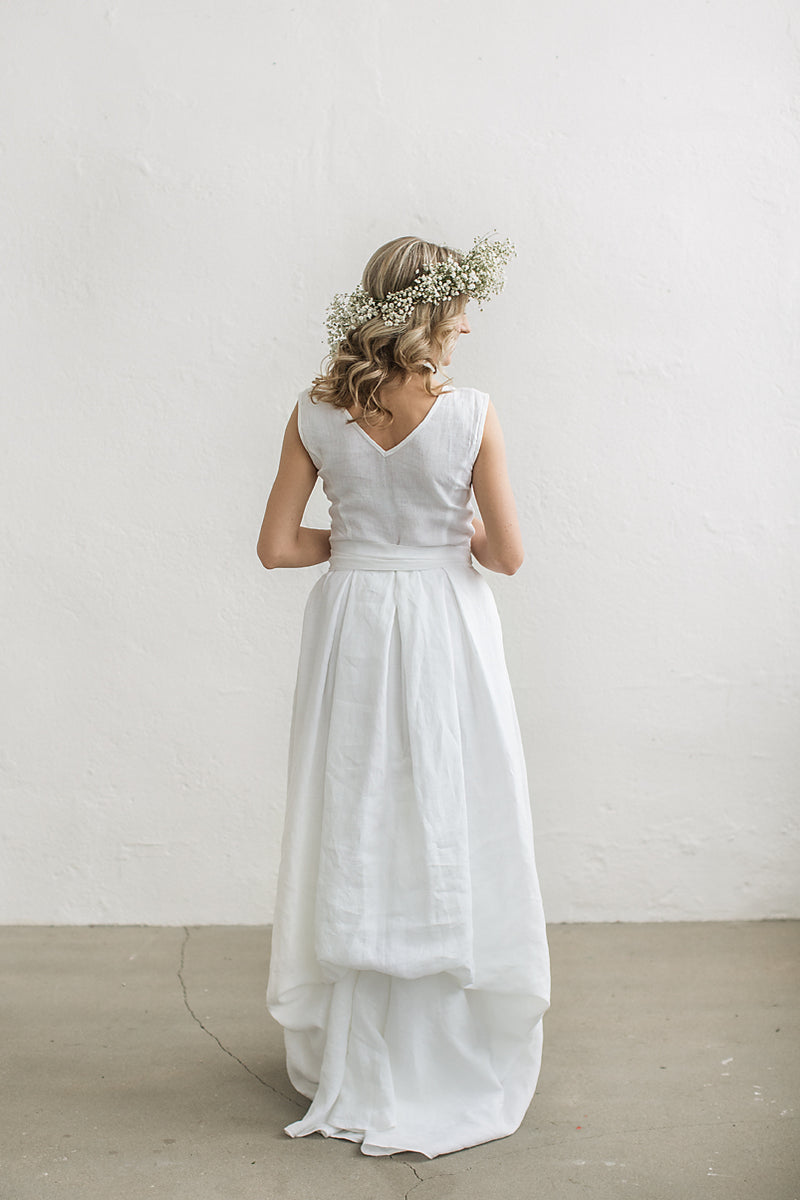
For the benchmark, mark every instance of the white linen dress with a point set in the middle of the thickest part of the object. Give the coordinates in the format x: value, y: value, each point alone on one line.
x: 409, y: 964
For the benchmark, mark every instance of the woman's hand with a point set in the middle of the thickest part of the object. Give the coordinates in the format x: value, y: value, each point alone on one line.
x: 479, y: 535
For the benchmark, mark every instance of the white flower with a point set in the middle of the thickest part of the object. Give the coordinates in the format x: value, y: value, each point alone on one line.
x: 480, y: 275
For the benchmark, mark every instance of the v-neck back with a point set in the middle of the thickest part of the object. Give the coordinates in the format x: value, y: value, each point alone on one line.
x: 399, y: 445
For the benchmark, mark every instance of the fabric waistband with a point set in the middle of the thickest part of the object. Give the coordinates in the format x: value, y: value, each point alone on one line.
x: 348, y: 554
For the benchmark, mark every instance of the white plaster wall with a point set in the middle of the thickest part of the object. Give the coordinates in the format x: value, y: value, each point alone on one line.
x: 184, y: 187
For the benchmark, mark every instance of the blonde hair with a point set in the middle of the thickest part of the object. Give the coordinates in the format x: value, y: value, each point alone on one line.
x: 375, y: 354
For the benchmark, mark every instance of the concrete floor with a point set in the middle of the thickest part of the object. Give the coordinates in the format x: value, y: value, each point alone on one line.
x: 141, y: 1061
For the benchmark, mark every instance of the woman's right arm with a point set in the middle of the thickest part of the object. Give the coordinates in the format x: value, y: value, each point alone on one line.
x: 283, y: 541
x: 497, y: 542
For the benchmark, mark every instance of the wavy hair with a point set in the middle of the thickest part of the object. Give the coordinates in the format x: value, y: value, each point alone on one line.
x: 375, y: 354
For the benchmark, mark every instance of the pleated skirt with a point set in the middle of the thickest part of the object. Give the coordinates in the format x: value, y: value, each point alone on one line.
x: 409, y: 965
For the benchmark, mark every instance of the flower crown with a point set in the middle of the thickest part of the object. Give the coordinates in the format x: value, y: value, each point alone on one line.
x: 479, y: 274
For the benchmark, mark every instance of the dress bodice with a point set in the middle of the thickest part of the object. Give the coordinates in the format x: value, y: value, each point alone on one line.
x: 418, y: 493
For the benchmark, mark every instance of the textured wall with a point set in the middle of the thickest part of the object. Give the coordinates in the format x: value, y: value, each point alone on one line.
x: 185, y: 185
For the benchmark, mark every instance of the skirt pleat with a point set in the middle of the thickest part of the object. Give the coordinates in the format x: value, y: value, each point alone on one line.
x: 409, y: 967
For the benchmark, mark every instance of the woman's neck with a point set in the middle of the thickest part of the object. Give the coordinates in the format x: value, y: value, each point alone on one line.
x: 410, y: 395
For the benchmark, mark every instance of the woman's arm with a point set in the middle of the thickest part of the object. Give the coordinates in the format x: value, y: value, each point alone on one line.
x: 283, y: 541
x: 497, y: 542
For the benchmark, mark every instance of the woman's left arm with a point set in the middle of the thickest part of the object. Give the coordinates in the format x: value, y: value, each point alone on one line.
x: 283, y: 541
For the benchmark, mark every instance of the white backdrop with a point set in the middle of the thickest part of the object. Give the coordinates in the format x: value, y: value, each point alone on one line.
x: 184, y: 187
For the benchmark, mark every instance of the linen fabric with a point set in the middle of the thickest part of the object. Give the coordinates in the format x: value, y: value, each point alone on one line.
x: 409, y: 964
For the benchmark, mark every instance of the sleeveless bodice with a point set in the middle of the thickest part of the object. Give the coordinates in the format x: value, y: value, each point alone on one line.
x: 418, y: 493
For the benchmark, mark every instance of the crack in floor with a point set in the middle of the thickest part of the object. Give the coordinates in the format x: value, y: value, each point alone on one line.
x: 235, y: 1057
x: 416, y: 1185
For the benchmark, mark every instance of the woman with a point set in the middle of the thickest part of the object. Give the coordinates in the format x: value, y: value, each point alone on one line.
x: 409, y: 964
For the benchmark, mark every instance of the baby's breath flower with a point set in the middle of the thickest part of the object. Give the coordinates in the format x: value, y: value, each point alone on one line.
x: 480, y: 275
